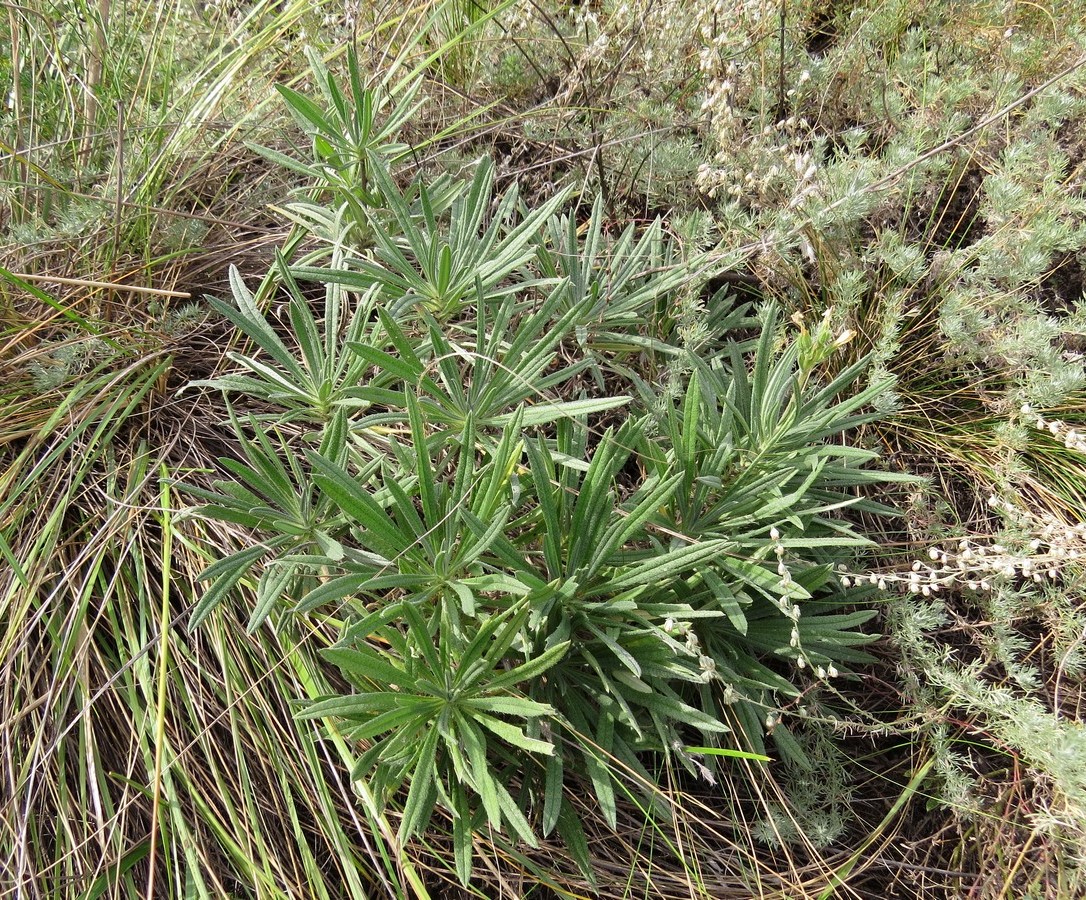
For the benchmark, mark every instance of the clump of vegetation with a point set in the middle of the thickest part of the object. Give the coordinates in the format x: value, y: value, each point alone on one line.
x: 515, y: 576
x: 571, y: 403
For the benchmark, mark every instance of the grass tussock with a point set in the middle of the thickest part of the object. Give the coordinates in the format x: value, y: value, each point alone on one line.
x: 541, y: 449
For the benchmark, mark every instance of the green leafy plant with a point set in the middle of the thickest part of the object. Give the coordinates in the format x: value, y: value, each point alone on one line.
x: 527, y: 547
x: 439, y: 718
x: 319, y: 380
x: 442, y: 268
x: 618, y: 283
x: 494, y: 565
x: 349, y: 131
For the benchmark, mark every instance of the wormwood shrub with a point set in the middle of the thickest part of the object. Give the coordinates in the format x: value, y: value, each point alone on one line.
x: 540, y: 563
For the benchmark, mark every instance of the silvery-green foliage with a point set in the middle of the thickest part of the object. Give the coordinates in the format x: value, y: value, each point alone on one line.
x: 563, y: 594
x: 542, y: 566
x: 1047, y: 742
x: 351, y: 128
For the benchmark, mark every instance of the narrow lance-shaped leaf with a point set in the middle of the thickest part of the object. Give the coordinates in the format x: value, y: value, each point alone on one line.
x: 252, y: 323
x: 422, y: 794
x: 513, y: 735
x: 353, y: 499
x: 671, y: 565
x: 224, y: 575
x: 367, y: 663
